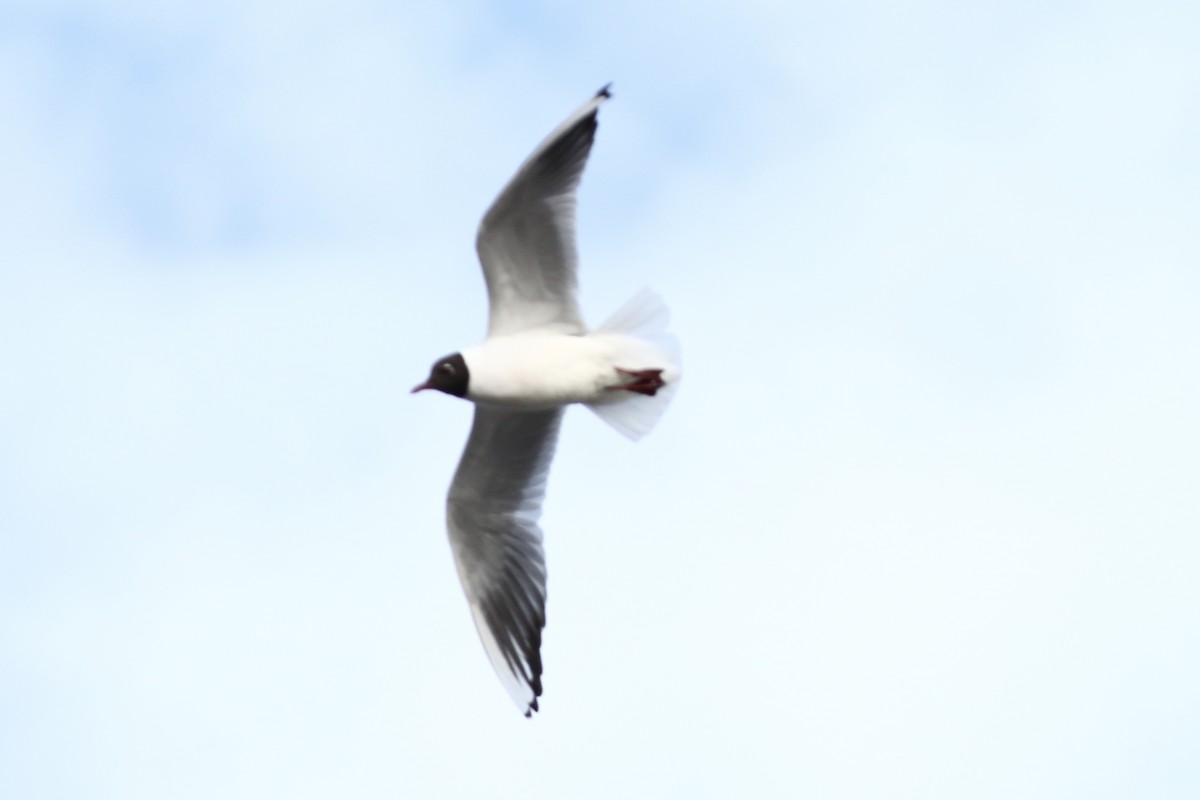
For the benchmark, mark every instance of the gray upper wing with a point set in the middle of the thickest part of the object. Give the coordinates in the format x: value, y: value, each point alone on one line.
x: 492, y: 511
x: 526, y: 241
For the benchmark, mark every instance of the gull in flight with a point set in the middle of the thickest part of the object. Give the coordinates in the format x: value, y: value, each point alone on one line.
x: 537, y: 358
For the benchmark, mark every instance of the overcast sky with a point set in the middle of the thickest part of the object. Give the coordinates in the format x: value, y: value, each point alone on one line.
x: 922, y: 522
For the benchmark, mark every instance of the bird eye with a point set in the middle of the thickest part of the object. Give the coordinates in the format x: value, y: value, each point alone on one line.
x: 446, y: 369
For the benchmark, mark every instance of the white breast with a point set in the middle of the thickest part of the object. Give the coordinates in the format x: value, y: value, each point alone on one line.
x: 540, y: 370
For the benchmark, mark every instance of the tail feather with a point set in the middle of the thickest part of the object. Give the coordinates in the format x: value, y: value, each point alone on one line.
x: 641, y: 324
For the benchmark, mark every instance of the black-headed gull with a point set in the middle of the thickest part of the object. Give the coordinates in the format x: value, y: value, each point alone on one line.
x: 538, y: 357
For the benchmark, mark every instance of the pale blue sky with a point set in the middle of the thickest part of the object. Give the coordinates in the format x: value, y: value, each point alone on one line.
x: 921, y: 523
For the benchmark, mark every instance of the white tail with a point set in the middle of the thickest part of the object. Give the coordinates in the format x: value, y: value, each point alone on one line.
x: 641, y: 328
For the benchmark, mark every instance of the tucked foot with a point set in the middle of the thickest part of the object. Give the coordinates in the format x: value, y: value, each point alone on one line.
x: 642, y: 381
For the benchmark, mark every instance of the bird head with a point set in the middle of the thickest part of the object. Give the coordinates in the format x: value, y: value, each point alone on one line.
x: 448, y: 374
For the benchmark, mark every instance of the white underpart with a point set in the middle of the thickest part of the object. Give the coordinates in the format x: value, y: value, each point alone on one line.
x: 540, y: 369
x: 543, y: 370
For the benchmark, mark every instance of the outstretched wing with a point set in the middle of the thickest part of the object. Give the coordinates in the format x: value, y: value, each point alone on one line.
x: 526, y: 241
x: 492, y: 513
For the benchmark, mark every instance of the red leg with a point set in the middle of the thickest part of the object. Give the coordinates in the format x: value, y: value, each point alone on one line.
x: 645, y: 381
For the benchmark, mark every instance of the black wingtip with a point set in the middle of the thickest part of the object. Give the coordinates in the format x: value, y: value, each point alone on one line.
x: 605, y: 91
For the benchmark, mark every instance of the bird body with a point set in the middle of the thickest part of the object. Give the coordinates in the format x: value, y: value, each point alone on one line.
x: 540, y: 370
x: 538, y: 357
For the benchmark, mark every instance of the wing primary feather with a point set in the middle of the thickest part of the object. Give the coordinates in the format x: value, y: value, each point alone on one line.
x: 492, y: 510
x: 526, y: 240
